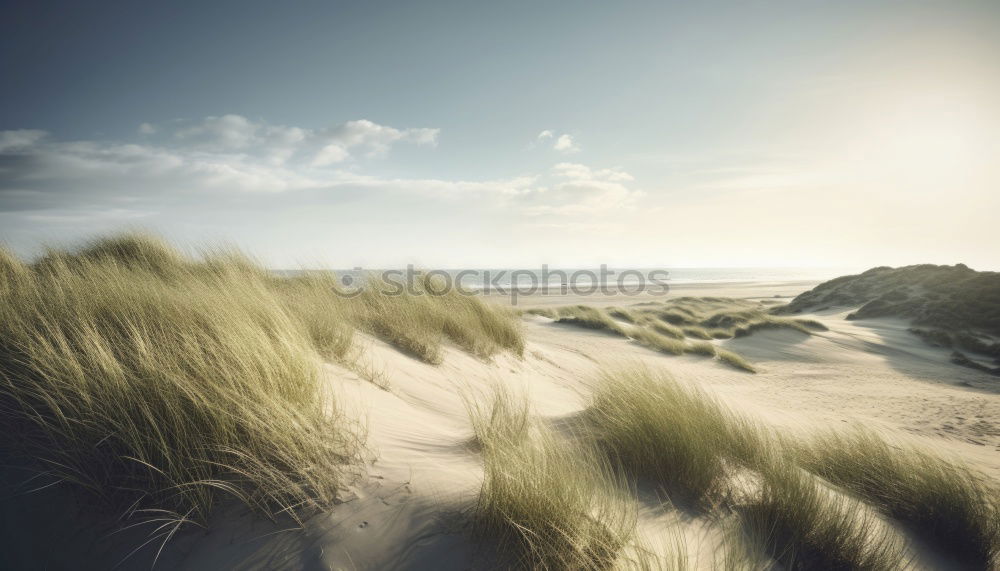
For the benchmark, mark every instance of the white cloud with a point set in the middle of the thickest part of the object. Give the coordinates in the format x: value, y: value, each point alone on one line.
x: 187, y: 162
x: 20, y: 139
x: 583, y: 172
x: 146, y: 129
x: 563, y: 143
x: 578, y: 189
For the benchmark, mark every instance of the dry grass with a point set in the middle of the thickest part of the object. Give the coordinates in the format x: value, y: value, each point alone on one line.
x: 418, y: 323
x: 673, y: 436
x: 734, y: 359
x: 770, y: 493
x: 545, y: 503
x: 588, y: 318
x: 159, y: 381
x: 648, y: 330
x: 943, y: 501
x: 798, y: 523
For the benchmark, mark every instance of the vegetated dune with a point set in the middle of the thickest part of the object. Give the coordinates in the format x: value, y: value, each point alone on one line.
x: 435, y: 432
x: 683, y: 325
x: 953, y: 306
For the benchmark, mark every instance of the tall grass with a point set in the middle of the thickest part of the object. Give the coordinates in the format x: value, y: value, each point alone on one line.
x: 803, y: 526
x: 656, y: 334
x: 545, y: 503
x: 420, y: 320
x: 673, y: 436
x: 160, y: 386
x: 947, y: 503
x: 159, y: 381
x: 705, y: 456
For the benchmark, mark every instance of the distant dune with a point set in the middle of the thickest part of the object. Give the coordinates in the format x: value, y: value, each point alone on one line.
x: 952, y: 306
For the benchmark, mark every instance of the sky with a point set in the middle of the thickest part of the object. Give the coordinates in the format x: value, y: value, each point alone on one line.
x: 509, y: 134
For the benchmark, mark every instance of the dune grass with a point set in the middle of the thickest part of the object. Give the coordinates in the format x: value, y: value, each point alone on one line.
x: 419, y: 322
x: 588, y: 318
x: 798, y: 523
x: 721, y: 318
x: 779, y: 488
x: 675, y: 437
x: 159, y: 385
x: 734, y: 359
x: 545, y: 503
x: 943, y: 501
x: 801, y: 503
x: 161, y: 382
x: 649, y: 331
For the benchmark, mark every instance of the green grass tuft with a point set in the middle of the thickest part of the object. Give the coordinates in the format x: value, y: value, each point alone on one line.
x: 945, y: 502
x: 734, y: 360
x: 544, y: 503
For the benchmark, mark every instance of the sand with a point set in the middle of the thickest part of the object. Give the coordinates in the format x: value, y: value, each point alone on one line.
x: 405, y: 512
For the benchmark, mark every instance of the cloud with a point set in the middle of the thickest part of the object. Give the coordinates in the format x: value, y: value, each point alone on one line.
x: 578, y: 189
x: 583, y: 172
x: 20, y: 139
x: 278, y: 144
x: 563, y: 143
x: 225, y: 159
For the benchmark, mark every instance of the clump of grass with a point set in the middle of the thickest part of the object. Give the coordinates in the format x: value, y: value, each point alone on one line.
x: 697, y: 333
x: 664, y: 328
x: 661, y: 432
x: 734, y: 360
x: 418, y: 322
x: 701, y: 348
x: 159, y: 383
x: 657, y: 342
x: 805, y: 527
x: 543, y: 312
x: 311, y: 299
x: 543, y: 503
x: 622, y: 314
x: 589, y: 318
x: 945, y: 502
x: 703, y: 319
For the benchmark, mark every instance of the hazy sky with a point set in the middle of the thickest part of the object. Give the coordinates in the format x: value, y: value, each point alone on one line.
x: 486, y: 134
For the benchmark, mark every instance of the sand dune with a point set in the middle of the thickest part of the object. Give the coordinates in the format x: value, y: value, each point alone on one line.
x: 405, y: 513
x: 408, y: 508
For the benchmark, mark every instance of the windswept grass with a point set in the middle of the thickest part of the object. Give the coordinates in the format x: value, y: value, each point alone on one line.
x: 800, y: 504
x: 657, y: 342
x: 157, y: 383
x: 588, y: 318
x: 734, y: 359
x: 675, y: 437
x: 721, y: 318
x: 943, y: 501
x: 545, y: 504
x: 160, y: 381
x: 803, y: 526
x: 419, y: 321
x: 654, y: 333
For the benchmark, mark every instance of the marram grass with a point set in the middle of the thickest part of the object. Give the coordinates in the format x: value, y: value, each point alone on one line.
x: 545, y: 503
x: 158, y: 381
x: 943, y: 501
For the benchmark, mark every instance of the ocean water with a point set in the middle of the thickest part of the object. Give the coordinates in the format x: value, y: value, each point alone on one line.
x: 502, y: 278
